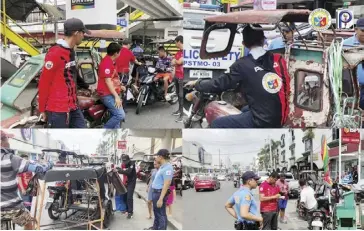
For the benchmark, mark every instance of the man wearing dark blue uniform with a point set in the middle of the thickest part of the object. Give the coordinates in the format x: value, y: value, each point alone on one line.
x: 160, y: 190
x: 242, y: 206
x: 264, y: 81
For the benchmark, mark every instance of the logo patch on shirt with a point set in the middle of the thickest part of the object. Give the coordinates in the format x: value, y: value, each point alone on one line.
x: 70, y: 64
x: 261, y: 189
x: 168, y: 173
x: 256, y: 69
x: 272, y: 83
x: 107, y: 71
x: 49, y: 65
x: 247, y: 197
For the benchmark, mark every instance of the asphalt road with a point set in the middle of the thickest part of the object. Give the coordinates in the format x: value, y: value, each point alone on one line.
x: 206, y: 210
x: 155, y: 116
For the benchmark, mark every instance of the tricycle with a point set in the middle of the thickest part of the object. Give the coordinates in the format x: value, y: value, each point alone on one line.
x: 315, y: 100
x: 19, y: 94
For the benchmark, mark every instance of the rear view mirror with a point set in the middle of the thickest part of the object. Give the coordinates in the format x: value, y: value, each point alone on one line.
x: 88, y: 73
x: 209, y: 42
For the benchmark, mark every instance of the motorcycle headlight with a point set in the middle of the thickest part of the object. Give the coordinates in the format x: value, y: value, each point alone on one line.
x: 151, y: 70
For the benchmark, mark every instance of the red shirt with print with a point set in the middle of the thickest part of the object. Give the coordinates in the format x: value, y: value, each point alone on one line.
x: 25, y: 177
x: 179, y: 68
x: 268, y: 190
x: 107, y: 69
x: 124, y: 60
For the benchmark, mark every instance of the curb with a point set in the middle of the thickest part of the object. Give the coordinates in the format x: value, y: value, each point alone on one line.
x: 175, y: 225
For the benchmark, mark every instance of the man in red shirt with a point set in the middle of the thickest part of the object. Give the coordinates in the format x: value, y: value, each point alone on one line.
x: 57, y: 83
x: 177, y: 62
x: 109, y: 87
x: 123, y: 63
x: 268, y: 196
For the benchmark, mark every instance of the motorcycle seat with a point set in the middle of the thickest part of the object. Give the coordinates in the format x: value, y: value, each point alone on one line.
x: 224, y: 108
x: 85, y: 102
x: 57, y: 188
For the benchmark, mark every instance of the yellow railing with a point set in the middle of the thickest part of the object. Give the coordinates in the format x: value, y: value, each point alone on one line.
x: 17, y: 39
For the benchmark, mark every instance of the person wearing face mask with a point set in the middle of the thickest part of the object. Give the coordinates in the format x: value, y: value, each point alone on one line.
x: 58, y: 81
x: 269, y: 193
x: 130, y: 173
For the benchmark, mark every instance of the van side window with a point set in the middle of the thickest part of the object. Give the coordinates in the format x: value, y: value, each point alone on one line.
x: 308, y: 90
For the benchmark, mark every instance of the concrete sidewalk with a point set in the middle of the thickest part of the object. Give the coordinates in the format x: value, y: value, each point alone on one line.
x: 176, y: 221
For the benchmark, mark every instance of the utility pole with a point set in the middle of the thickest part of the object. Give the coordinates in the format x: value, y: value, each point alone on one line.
x: 55, y: 24
x: 219, y: 161
x: 270, y: 152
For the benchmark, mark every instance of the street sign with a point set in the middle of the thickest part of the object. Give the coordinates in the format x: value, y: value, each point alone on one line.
x: 122, y: 144
x: 265, y: 5
x: 121, y: 21
x: 350, y: 135
x: 229, y: 1
x: 344, y: 19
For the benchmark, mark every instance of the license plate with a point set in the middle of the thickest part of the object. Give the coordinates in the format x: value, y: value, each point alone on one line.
x: 197, y: 74
x: 317, y: 223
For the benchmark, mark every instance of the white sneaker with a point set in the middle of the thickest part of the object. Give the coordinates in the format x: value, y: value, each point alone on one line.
x: 168, y: 97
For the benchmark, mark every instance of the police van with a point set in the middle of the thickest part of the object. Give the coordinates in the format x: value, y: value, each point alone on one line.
x: 193, y: 27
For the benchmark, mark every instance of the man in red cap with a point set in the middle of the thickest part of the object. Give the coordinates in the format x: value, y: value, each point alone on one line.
x: 12, y: 206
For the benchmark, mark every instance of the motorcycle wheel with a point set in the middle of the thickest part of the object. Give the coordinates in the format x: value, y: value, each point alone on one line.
x: 140, y: 102
x: 51, y: 214
x: 174, y: 99
x: 108, y: 214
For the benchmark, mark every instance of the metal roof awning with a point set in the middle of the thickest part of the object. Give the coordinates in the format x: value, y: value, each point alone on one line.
x: 19, y: 10
x: 157, y: 8
x: 190, y: 164
x: 177, y: 151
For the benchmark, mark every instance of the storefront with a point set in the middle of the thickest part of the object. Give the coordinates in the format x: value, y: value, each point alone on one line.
x: 190, y: 166
x: 349, y: 159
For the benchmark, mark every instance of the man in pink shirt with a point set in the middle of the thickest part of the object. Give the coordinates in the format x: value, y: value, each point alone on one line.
x: 282, y: 202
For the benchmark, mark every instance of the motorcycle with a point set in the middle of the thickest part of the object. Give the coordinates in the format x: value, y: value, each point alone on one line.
x: 322, y: 216
x: 211, y: 106
x: 56, y: 200
x: 152, y: 90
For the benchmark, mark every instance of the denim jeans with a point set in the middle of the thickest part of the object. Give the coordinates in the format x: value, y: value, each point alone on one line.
x: 160, y: 214
x: 117, y: 114
x: 243, y: 120
x: 59, y: 119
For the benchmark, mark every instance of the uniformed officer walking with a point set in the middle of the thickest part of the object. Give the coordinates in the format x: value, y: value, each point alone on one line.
x: 242, y: 206
x: 160, y: 189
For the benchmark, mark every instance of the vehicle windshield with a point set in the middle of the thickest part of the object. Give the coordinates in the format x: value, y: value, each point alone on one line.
x: 99, y: 160
x: 194, y: 21
x: 204, y: 177
x: 288, y: 176
x: 27, y: 72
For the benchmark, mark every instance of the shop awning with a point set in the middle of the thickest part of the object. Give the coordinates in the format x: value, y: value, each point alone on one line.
x: 177, y: 150
x: 157, y: 8
x: 302, y: 159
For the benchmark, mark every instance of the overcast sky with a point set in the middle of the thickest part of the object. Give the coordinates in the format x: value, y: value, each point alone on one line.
x: 240, y: 145
x: 86, y: 140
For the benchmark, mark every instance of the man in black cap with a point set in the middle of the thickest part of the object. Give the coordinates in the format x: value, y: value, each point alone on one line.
x: 160, y: 189
x: 130, y: 172
x: 264, y: 80
x: 57, y: 83
x: 242, y: 205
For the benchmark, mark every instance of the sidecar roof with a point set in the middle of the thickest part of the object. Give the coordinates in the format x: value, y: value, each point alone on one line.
x: 261, y: 16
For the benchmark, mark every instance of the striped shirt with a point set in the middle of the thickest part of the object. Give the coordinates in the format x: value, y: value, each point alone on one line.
x: 11, y: 165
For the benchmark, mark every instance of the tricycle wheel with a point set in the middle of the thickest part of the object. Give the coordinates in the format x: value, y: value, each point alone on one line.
x: 108, y: 214
x: 51, y: 214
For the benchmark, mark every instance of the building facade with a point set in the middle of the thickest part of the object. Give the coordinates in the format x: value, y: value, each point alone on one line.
x: 195, y: 158
x: 32, y: 141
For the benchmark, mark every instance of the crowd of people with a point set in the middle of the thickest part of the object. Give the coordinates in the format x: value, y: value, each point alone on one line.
x: 273, y: 198
x: 59, y: 79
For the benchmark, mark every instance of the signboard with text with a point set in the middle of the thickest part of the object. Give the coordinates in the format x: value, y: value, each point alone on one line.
x: 350, y: 135
x: 82, y: 4
x: 122, y: 144
x: 121, y: 21
x: 229, y: 1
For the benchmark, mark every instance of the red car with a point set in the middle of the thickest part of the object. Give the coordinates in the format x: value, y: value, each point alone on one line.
x: 206, y: 182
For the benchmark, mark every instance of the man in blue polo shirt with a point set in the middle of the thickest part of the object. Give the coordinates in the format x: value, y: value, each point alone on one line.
x: 358, y: 40
x: 242, y: 205
x: 160, y: 189
x: 288, y: 34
